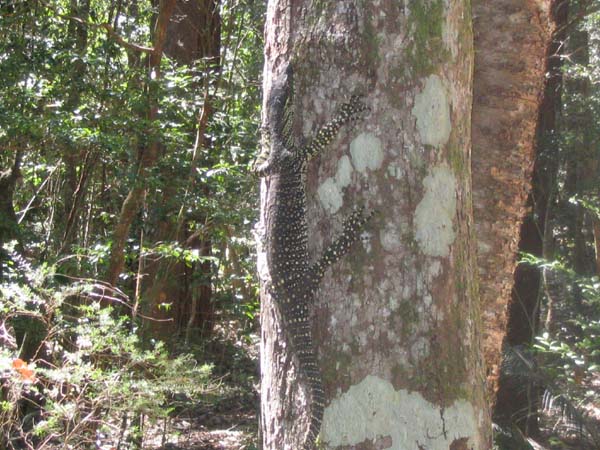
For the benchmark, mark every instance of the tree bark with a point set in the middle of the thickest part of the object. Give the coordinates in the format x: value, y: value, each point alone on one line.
x: 511, y: 41
x: 9, y: 227
x: 518, y: 396
x: 396, y: 323
x: 148, y: 155
x: 193, y: 38
x: 596, y: 232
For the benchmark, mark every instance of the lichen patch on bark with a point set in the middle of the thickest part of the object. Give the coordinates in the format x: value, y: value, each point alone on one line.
x: 380, y: 411
x: 434, y: 216
x: 330, y: 191
x: 343, y: 176
x: 330, y: 195
x: 367, y: 152
x: 432, y: 112
x: 391, y: 235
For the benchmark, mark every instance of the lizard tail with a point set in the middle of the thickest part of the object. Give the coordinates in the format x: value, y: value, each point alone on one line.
x: 309, y: 365
x: 316, y: 413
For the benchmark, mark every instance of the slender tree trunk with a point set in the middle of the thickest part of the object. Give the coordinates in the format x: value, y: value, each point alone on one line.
x: 148, y: 155
x: 193, y: 38
x: 582, y: 162
x: 396, y: 322
x: 75, y: 183
x: 9, y: 227
x: 596, y: 231
x: 549, y: 155
x: 511, y: 41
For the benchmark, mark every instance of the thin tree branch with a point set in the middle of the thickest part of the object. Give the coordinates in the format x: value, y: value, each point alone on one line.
x: 586, y: 11
x: 110, y: 31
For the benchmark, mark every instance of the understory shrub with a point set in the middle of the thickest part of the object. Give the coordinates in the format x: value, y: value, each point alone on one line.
x: 75, y: 374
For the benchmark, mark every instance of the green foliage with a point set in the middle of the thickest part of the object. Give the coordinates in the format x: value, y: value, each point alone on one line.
x: 509, y: 439
x: 76, y: 102
x: 566, y: 359
x: 575, y: 347
x: 88, y: 370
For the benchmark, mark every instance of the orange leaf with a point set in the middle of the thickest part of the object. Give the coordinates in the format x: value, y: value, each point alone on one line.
x: 26, y: 373
x: 18, y: 363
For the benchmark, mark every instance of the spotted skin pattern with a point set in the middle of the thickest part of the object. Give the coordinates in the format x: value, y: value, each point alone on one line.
x: 294, y: 281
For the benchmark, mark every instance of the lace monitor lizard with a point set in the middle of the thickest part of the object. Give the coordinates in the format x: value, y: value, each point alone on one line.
x: 294, y: 280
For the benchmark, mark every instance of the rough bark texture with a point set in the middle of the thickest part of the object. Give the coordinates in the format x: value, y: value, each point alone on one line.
x: 397, y: 321
x: 195, y: 32
x: 517, y: 401
x: 511, y: 40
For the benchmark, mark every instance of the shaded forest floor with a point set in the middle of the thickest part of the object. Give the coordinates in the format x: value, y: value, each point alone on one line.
x: 566, y: 428
x: 227, y: 418
x: 231, y: 424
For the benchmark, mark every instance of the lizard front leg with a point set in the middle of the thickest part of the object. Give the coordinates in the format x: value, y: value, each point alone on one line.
x: 348, y: 112
x: 353, y: 226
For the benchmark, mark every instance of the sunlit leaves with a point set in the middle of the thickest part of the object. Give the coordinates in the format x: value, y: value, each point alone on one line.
x: 177, y: 252
x: 94, y: 368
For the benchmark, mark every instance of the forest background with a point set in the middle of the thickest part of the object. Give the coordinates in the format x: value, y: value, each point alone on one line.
x: 129, y: 301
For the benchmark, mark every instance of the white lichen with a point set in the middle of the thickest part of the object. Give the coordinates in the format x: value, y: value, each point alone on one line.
x: 343, y: 175
x: 330, y: 191
x: 330, y: 195
x: 433, y: 271
x: 434, y: 216
x: 367, y: 152
x: 391, y: 237
x: 432, y: 112
x: 396, y: 171
x: 373, y: 409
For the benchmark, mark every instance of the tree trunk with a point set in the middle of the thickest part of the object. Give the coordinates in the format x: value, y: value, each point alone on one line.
x: 9, y: 227
x: 75, y: 184
x: 193, y: 37
x: 395, y: 323
x: 517, y: 395
x: 148, y: 155
x: 596, y: 231
x: 582, y: 160
x: 511, y: 40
